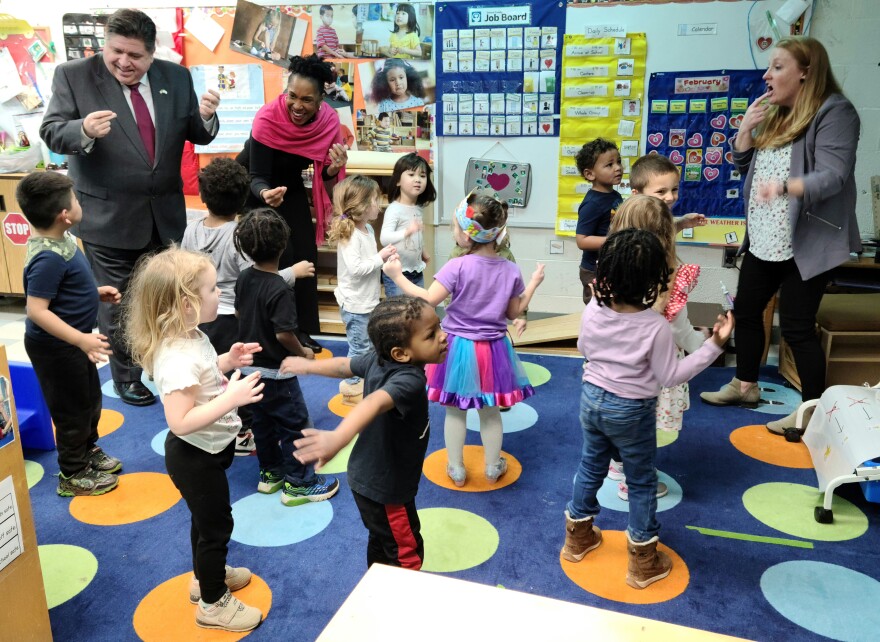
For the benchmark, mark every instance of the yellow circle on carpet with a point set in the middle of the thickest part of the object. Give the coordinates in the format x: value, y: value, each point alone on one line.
x: 139, y: 496
x: 759, y: 443
x: 323, y: 354
x: 166, y: 613
x: 110, y: 421
x: 475, y: 465
x: 337, y: 407
x: 603, y: 572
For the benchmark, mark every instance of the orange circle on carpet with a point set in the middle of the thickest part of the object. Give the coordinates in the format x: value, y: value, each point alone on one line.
x: 603, y: 572
x: 110, y: 421
x: 323, y: 354
x: 166, y: 613
x: 337, y: 407
x: 759, y: 443
x: 475, y: 465
x: 138, y: 496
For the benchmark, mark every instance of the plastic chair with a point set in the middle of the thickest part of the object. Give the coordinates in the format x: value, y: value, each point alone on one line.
x: 34, y: 420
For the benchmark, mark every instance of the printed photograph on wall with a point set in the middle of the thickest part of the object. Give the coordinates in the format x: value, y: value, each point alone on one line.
x: 394, y: 84
x: 397, y: 132
x: 340, y: 92
x: 373, y: 30
x: 7, y: 434
x: 266, y: 33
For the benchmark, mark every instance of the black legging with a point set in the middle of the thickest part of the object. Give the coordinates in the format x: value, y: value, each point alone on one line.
x: 798, y: 303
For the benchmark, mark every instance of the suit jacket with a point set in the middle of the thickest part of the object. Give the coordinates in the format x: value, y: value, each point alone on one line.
x: 121, y: 193
x: 824, y: 226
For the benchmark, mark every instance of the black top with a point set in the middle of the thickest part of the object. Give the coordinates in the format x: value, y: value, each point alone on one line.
x: 265, y: 306
x: 386, y: 462
x: 594, y: 219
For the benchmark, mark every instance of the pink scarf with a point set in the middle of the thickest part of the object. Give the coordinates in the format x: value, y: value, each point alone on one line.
x: 273, y: 128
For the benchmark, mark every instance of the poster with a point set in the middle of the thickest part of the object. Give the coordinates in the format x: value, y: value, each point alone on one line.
x: 498, y: 68
x: 241, y: 97
x: 691, y: 118
x: 267, y: 33
x: 7, y: 434
x: 603, y: 96
x: 11, y: 543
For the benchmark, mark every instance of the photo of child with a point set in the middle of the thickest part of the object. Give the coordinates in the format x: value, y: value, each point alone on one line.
x: 263, y: 32
x: 394, y: 84
x: 372, y: 30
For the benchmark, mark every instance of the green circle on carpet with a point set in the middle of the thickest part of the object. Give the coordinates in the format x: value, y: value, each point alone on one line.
x: 789, y: 508
x: 538, y: 375
x: 666, y: 437
x: 455, y: 540
x: 67, y: 570
x: 33, y: 472
x: 339, y: 463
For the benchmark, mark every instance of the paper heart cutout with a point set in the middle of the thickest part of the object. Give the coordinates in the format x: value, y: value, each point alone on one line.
x: 653, y: 152
x: 719, y: 121
x: 736, y: 121
x: 498, y: 181
x: 695, y: 156
x: 655, y: 139
x: 695, y: 141
x: 676, y: 157
x: 764, y: 43
x: 728, y: 156
x: 713, y: 158
x: 548, y: 62
x: 546, y: 127
x: 717, y: 139
x: 710, y: 173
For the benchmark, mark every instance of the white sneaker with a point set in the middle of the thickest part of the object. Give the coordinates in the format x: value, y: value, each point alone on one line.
x: 228, y: 614
x: 623, y: 490
x: 615, y: 471
x: 244, y: 444
x: 236, y: 578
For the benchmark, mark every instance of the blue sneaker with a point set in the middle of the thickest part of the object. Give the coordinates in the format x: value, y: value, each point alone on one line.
x: 322, y: 488
x: 270, y: 481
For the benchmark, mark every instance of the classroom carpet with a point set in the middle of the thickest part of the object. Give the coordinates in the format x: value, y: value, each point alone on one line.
x: 750, y: 560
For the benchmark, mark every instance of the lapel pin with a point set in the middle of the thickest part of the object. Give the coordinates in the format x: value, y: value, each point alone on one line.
x: 162, y: 91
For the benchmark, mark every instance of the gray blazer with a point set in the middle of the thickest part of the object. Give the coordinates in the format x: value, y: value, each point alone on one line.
x: 121, y: 194
x: 823, y: 222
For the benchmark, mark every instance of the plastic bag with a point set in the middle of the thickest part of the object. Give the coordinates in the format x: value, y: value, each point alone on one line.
x: 20, y: 159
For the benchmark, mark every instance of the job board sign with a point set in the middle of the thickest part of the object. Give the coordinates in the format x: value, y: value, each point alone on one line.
x: 517, y: 15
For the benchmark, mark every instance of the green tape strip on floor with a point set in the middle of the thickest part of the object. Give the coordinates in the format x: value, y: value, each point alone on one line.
x: 752, y: 538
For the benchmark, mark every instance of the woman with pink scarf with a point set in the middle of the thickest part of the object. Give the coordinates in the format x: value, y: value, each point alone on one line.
x: 293, y: 131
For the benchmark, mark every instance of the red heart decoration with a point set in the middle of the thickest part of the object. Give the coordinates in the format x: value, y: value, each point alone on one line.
x: 498, y: 181
x: 713, y: 157
x: 729, y: 157
x: 717, y: 138
x: 719, y: 121
x: 764, y: 43
x: 710, y: 173
x: 695, y: 156
x: 548, y: 62
x: 695, y: 141
x: 676, y: 157
x: 655, y: 139
x: 546, y: 127
x: 736, y: 121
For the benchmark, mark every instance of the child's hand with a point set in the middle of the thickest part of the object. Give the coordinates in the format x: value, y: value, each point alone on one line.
x: 392, y: 267
x: 95, y: 346
x: 109, y: 294
x: 304, y: 269
x: 387, y: 252
x: 244, y: 391
x: 242, y: 354
x: 520, y: 324
x: 723, y: 328
x: 538, y: 274
x: 413, y: 228
x: 295, y: 365
x: 317, y: 446
x: 691, y: 220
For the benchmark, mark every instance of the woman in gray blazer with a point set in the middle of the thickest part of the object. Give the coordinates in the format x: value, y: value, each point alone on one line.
x: 797, y: 147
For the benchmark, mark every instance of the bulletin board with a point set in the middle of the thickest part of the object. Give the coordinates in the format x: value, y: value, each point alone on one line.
x: 691, y: 118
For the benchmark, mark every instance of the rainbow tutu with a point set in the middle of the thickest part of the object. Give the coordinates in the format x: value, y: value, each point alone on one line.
x: 477, y: 374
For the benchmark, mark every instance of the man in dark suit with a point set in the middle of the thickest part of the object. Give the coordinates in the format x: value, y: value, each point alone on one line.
x: 122, y: 118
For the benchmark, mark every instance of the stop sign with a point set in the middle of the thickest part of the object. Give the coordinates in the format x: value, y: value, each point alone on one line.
x: 16, y: 228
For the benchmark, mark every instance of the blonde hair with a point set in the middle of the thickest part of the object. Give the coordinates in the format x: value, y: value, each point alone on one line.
x: 652, y: 215
x: 154, y: 302
x: 783, y: 124
x: 352, y: 199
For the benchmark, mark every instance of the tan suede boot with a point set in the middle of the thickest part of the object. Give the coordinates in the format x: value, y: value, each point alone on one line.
x: 646, y: 564
x: 731, y: 395
x: 581, y: 537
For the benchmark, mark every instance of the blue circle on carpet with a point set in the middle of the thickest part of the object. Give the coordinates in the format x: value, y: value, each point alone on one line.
x: 778, y: 399
x: 158, y: 442
x: 107, y: 386
x: 519, y: 417
x: 826, y: 599
x: 262, y: 520
x: 608, y: 498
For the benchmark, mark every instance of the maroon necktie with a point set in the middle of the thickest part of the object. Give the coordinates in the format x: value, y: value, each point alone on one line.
x: 144, y: 122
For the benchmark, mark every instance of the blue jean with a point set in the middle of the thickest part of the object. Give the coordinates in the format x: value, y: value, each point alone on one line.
x: 391, y: 288
x: 279, y: 418
x: 356, y: 333
x: 609, y: 422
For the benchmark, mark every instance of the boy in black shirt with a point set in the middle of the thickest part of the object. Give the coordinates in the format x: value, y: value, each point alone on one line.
x: 385, y: 465
x: 266, y: 309
x: 598, y: 162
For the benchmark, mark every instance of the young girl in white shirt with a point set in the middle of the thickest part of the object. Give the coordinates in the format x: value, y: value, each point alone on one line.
x: 409, y: 191
x: 358, y: 264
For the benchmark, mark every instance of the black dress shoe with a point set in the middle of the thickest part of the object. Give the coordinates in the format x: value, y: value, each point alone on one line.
x: 309, y: 343
x: 134, y: 393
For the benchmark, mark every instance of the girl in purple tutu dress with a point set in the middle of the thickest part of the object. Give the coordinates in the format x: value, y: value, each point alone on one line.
x: 481, y: 370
